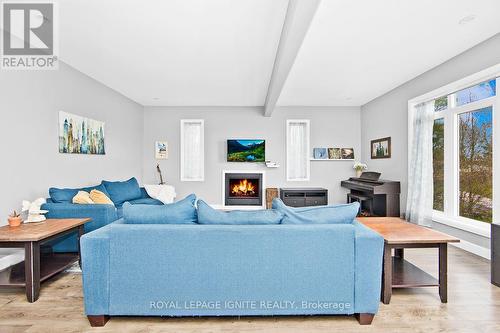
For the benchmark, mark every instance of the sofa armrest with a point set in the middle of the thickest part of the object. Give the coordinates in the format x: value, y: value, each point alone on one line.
x: 95, y: 271
x: 369, y: 248
x: 101, y: 215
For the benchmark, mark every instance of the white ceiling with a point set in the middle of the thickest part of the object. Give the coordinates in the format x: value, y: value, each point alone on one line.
x: 357, y: 50
x: 221, y: 52
x: 183, y: 52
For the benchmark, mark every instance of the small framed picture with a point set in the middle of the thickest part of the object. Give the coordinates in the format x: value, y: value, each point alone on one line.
x: 381, y: 148
x: 161, y: 150
x: 347, y: 153
x: 320, y: 153
x: 334, y: 154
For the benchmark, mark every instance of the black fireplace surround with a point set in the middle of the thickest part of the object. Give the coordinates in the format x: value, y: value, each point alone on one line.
x: 243, y: 189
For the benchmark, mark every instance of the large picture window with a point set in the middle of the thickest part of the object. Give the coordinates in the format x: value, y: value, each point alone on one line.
x: 463, y: 155
x: 475, y: 152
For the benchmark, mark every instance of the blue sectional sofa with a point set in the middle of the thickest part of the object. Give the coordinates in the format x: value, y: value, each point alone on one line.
x: 206, y: 269
x: 59, y: 205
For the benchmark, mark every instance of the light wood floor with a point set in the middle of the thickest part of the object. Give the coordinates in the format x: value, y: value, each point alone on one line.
x: 473, y: 306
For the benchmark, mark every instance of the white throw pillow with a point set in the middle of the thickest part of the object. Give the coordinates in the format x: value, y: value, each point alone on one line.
x: 164, y: 193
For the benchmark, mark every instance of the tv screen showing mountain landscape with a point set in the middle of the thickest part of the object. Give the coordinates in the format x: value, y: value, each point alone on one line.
x: 246, y: 150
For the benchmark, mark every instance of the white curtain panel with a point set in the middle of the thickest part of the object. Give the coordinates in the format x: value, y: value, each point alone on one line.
x: 192, y: 151
x: 297, y: 159
x: 420, y: 173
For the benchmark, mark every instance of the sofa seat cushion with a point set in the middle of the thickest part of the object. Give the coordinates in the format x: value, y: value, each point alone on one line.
x: 142, y: 201
x: 180, y: 212
x: 122, y: 191
x: 343, y: 213
x: 65, y: 195
x: 145, y: 201
x: 208, y: 215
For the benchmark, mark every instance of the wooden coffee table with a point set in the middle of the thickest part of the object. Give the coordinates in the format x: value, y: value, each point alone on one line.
x: 38, y: 267
x: 400, y: 273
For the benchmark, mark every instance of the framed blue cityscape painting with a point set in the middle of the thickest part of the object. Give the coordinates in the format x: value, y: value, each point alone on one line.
x: 80, y: 135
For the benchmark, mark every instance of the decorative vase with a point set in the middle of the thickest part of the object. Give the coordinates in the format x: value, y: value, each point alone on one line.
x: 358, y: 173
x: 15, y: 221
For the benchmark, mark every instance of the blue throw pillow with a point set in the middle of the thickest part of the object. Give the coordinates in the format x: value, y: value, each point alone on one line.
x: 180, y: 212
x: 345, y: 213
x: 65, y: 195
x: 119, y: 192
x: 208, y: 215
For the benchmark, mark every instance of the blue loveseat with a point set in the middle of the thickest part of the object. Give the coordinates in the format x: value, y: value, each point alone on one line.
x: 60, y: 205
x: 206, y: 269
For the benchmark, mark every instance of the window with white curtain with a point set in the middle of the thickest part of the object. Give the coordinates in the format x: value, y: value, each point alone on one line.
x: 464, y: 145
x: 297, y: 150
x: 192, y: 150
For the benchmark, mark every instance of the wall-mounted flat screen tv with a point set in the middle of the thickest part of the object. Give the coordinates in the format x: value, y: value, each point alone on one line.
x: 246, y: 150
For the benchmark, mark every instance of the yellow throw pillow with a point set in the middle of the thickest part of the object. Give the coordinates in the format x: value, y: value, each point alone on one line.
x: 82, y: 197
x: 99, y: 197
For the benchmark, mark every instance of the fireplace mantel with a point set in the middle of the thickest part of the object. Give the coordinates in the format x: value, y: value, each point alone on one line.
x: 262, y: 187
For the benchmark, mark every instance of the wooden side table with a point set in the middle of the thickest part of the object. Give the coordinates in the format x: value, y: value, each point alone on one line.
x: 38, y: 267
x: 400, y: 273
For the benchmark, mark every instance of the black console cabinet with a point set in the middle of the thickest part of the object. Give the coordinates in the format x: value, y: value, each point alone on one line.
x: 304, y: 196
x: 495, y: 254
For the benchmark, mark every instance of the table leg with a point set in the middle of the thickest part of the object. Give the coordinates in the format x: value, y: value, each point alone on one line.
x: 387, y: 275
x: 32, y: 270
x: 400, y: 253
x: 81, y: 231
x: 443, y: 272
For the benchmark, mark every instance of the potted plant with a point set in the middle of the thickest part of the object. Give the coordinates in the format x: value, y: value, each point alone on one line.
x: 15, y: 219
x: 359, y: 167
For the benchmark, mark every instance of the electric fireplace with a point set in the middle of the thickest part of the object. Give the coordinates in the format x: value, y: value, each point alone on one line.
x: 243, y: 188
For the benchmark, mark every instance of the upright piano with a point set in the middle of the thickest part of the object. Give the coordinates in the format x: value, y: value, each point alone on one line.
x: 384, y: 194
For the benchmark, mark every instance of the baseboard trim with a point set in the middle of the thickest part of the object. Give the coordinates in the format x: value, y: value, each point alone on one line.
x: 473, y: 248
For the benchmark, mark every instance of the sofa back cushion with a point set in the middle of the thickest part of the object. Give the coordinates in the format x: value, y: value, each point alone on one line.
x: 65, y: 195
x: 344, y: 213
x: 223, y: 263
x: 122, y: 191
x: 208, y: 215
x: 180, y: 212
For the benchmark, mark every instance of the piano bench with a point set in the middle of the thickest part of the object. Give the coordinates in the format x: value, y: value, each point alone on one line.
x: 351, y: 197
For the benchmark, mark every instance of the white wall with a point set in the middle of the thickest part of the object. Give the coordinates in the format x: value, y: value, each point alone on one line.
x: 387, y: 115
x: 330, y: 127
x: 29, y: 106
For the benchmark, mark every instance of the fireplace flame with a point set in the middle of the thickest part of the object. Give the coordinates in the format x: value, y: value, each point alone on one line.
x: 244, y: 187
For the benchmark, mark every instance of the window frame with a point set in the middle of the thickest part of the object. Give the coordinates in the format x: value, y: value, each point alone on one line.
x: 184, y: 178
x: 307, y: 123
x: 450, y: 216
